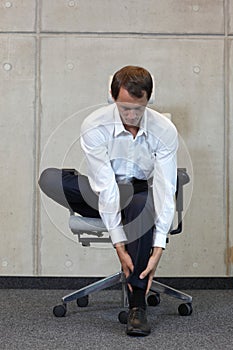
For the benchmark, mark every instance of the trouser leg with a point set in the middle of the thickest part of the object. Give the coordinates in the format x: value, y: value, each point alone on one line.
x: 139, y: 219
x: 70, y: 190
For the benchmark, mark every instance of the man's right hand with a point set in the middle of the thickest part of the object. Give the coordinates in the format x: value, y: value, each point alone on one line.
x: 125, y: 260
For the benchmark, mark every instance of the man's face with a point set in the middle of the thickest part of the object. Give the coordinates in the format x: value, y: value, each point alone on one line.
x: 131, y: 108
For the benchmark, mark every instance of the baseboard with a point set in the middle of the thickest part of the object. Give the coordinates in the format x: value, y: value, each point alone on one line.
x: 73, y: 283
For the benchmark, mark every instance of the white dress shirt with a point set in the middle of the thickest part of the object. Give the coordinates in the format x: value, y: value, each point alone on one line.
x: 114, y: 156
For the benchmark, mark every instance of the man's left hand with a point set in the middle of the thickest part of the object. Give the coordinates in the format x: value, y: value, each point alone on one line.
x: 151, y: 266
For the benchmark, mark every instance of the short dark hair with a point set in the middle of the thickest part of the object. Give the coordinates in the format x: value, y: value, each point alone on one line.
x: 134, y: 79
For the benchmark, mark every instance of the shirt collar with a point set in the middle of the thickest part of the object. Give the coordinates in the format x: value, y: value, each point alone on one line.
x: 119, y: 127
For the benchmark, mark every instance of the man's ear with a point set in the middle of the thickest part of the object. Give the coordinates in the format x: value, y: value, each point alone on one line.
x: 110, y: 98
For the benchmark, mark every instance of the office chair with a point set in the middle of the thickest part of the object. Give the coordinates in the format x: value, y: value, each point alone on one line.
x: 91, y: 230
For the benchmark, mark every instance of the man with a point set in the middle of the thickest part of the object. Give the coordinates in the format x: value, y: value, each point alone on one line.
x: 130, y: 152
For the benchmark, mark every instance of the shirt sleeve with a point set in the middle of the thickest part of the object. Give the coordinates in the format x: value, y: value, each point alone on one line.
x: 102, y: 180
x: 164, y: 185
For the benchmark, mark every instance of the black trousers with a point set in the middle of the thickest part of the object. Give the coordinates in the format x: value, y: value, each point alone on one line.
x: 73, y: 191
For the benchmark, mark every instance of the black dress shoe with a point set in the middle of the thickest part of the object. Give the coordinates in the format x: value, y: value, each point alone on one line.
x: 137, y: 324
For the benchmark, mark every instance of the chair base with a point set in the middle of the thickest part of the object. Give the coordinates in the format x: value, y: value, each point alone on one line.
x: 119, y: 277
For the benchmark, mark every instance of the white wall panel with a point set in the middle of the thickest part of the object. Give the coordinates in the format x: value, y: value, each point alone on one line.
x: 230, y: 16
x: 17, y: 15
x: 17, y: 74
x: 189, y: 84
x: 148, y: 16
x: 230, y: 179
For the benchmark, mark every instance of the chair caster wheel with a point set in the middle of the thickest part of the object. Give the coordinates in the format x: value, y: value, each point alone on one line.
x: 122, y: 317
x: 153, y: 299
x: 59, y: 310
x: 83, y: 302
x: 185, y: 309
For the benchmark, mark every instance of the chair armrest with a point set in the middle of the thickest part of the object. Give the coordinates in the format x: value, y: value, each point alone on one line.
x: 182, y: 179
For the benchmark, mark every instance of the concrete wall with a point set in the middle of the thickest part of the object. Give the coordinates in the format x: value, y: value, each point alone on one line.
x: 55, y: 60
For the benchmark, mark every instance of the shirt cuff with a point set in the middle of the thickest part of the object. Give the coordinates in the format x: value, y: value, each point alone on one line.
x: 159, y: 239
x: 117, y: 235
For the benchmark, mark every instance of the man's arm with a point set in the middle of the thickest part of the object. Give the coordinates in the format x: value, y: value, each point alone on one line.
x: 102, y: 180
x: 164, y: 188
x: 164, y: 185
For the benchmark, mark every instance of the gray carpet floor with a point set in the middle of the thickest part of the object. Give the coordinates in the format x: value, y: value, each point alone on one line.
x: 27, y: 322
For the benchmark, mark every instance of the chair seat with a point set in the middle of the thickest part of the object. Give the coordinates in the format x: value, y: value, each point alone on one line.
x: 84, y: 224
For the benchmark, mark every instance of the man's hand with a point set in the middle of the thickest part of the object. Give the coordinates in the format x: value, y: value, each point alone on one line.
x: 151, y: 266
x: 125, y: 260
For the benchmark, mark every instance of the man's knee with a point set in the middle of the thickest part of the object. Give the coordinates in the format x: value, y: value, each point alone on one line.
x: 47, y: 179
x: 50, y: 183
x: 137, y: 204
x: 140, y: 211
